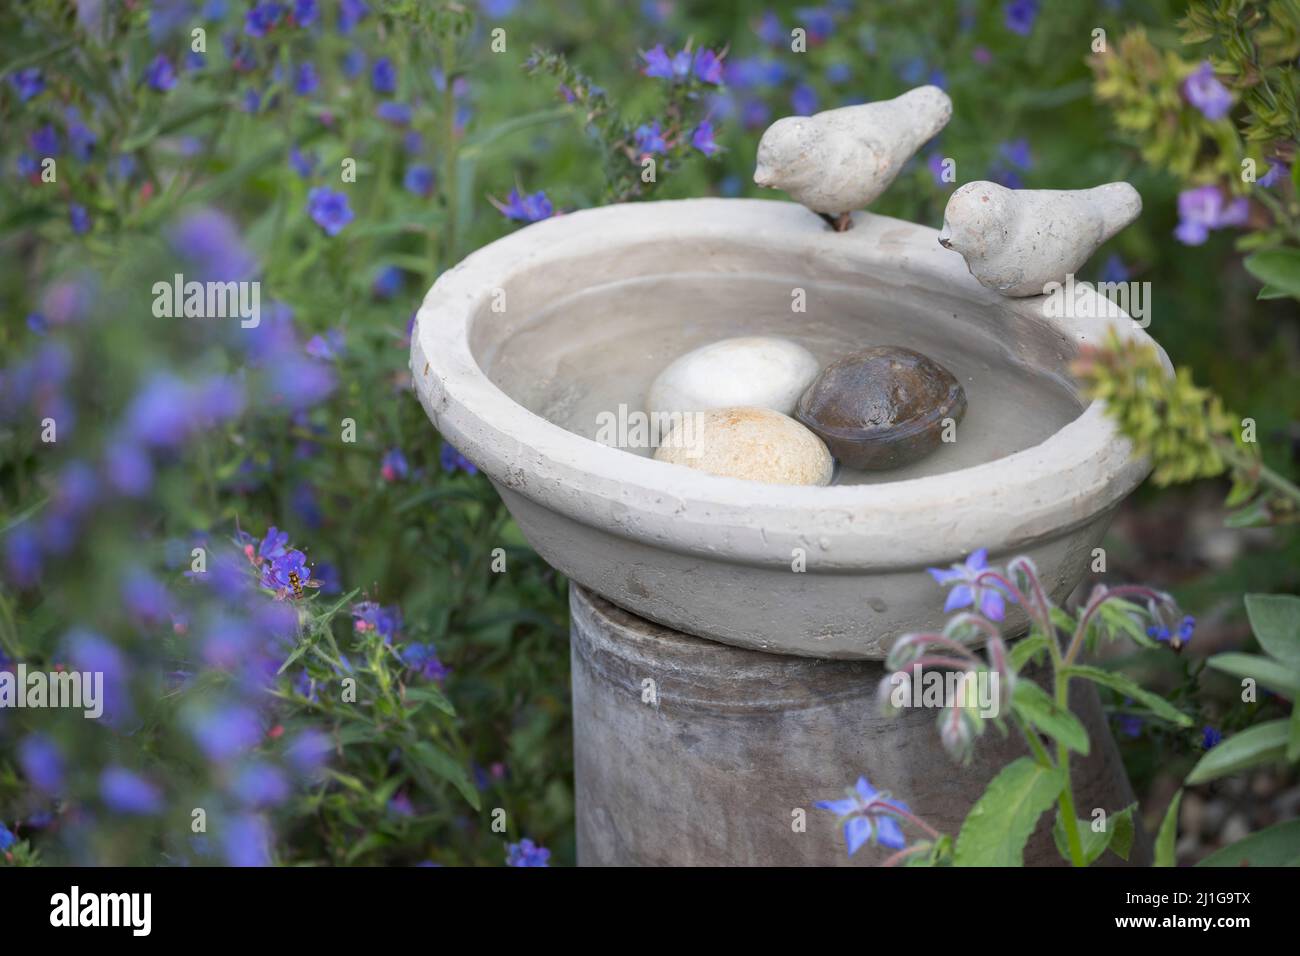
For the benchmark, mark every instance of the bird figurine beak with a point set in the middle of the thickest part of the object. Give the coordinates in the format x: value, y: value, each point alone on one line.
x: 763, y: 177
x: 945, y: 239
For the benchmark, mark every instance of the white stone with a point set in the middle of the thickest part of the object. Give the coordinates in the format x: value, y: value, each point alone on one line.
x: 1016, y: 241
x: 753, y: 443
x: 759, y: 370
x: 840, y: 160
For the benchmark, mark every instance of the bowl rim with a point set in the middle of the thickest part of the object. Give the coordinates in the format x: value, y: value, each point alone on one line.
x: 1079, y: 472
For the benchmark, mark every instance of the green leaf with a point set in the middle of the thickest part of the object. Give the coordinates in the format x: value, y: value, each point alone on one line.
x: 445, y: 766
x: 1263, y: 743
x: 1122, y: 831
x: 430, y: 694
x: 1278, y: 845
x: 1272, y: 292
x: 1122, y: 685
x: 1275, y: 619
x: 1264, y: 670
x: 998, y: 826
x: 1168, y: 835
x: 1293, y: 737
x: 1037, y: 706
x: 1118, y: 836
x: 1022, y: 652
x: 1278, y: 268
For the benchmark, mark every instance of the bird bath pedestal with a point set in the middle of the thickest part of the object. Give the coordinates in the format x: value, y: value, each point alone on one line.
x: 728, y: 636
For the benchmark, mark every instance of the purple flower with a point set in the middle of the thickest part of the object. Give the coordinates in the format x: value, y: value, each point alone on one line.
x: 988, y: 598
x: 1210, y: 737
x: 305, y: 12
x: 1130, y: 725
x: 383, y: 76
x: 209, y: 240
x: 372, y: 616
x: 1203, y: 209
x: 707, y: 66
x: 649, y: 139
x: 659, y: 64
x: 754, y: 113
x: 453, y: 461
x: 7, y: 839
x: 1276, y: 171
x: 23, y: 556
x: 128, y: 468
x: 1019, y: 16
x: 395, y: 112
x: 934, y: 162
x: 279, y: 573
x: 527, y: 853
x: 1206, y: 93
x: 161, y: 75
x: 327, y: 347
x: 126, y: 792
x: 838, y: 73
x: 304, y: 164
x: 1016, y: 152
x: 526, y: 208
x: 45, y: 141
x: 42, y: 763
x: 27, y: 83
x: 309, y: 751
x: 246, y: 841
x: 329, y: 209
x: 262, y: 18
x: 81, y: 139
x: 702, y: 138
x: 306, y: 80
x: 803, y: 99
x: 1176, y: 639
x: 1114, y: 269
x: 252, y: 101
x: 354, y: 61
x: 818, y: 22
x: 225, y: 732
x: 769, y: 29
x: 261, y: 785
x: 418, y: 180
x: 27, y: 165
x: 351, y: 12
x: 79, y: 218
x: 866, y: 819
x: 388, y: 282
x: 146, y: 599
x: 423, y: 659
x: 393, y: 467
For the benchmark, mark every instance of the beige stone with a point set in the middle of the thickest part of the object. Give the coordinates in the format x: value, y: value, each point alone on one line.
x: 757, y: 444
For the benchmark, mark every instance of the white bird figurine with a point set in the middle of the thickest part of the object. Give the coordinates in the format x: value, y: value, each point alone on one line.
x: 1016, y: 241
x: 841, y: 160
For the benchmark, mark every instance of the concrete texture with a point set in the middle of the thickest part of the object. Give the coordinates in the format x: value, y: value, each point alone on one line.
x: 710, y: 772
x: 521, y: 346
x: 1016, y: 241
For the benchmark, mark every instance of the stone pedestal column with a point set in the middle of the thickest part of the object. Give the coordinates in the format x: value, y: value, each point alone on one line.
x: 689, y: 752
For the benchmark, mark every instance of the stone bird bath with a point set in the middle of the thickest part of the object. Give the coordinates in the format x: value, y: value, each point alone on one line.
x: 521, y: 351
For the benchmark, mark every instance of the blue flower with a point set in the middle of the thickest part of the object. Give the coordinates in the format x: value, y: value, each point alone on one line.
x: 386, y: 621
x: 42, y: 763
x: 351, y: 12
x: 329, y: 209
x: 803, y: 100
x: 304, y: 164
x: 226, y: 731
x: 864, y: 820
x: 659, y: 64
x: 274, y: 544
x: 988, y: 598
x: 1019, y: 16
x: 260, y: 784
x: 525, y: 207
x: 1114, y: 269
x: 304, y: 12
x: 161, y: 75
x: 707, y: 66
x: 383, y: 76
x: 453, y: 461
x: 769, y: 29
x: 325, y: 347
x: 702, y: 138
x: 527, y: 853
x: 27, y: 83
x: 279, y: 573
x: 306, y: 80
x: 1206, y: 93
x: 7, y: 839
x: 818, y: 22
x: 129, y: 793
x: 1210, y: 737
x: 1203, y: 209
x: 1176, y: 639
x: 418, y: 180
x: 649, y: 139
x: 393, y: 467
x: 1276, y: 171
x: 387, y: 283
x: 210, y: 241
x: 395, y: 112
x: 246, y: 841
x: 262, y: 18
x: 1016, y: 152
x: 45, y: 141
x: 79, y: 218
x: 423, y: 658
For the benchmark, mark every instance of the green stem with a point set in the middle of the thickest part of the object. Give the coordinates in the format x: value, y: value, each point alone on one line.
x: 1066, y: 800
x: 1266, y: 475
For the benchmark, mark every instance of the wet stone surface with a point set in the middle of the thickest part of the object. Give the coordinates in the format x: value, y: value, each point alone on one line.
x: 881, y: 407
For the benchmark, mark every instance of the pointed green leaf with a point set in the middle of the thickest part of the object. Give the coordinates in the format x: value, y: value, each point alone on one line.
x: 1023, y: 651
x: 1275, y: 619
x: 1264, y: 670
x: 1279, y: 268
x: 1261, y: 744
x: 1122, y: 685
x: 445, y: 766
x: 998, y: 826
x: 1037, y: 707
x: 1166, y: 839
x: 1278, y: 845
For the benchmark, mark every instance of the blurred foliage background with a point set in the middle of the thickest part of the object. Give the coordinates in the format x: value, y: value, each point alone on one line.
x: 174, y: 434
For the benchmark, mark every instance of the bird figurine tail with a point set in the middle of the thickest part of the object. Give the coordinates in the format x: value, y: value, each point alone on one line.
x: 1119, y: 203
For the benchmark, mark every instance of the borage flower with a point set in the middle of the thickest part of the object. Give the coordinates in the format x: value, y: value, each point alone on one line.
x: 989, y: 597
x: 867, y: 817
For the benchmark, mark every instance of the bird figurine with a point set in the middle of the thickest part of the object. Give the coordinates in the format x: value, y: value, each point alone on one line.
x: 841, y: 160
x: 1017, y: 241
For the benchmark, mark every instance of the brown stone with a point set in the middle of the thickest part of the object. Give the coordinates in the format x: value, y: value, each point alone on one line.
x: 881, y: 407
